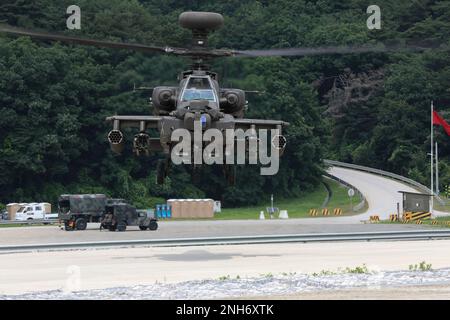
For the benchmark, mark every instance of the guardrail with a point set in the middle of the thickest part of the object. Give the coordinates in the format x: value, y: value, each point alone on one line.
x: 311, y: 237
x: 394, y: 176
x: 329, y: 194
x: 33, y: 221
x: 362, y: 199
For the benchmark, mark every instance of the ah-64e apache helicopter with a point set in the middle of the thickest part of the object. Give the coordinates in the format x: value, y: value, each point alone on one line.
x: 198, y: 97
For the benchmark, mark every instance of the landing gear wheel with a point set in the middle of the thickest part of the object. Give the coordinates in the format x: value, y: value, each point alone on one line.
x: 143, y: 228
x: 67, y: 226
x: 121, y: 226
x: 80, y: 224
x: 153, y: 225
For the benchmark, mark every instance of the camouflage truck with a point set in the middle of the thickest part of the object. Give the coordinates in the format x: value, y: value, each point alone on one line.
x: 120, y: 215
x: 76, y: 210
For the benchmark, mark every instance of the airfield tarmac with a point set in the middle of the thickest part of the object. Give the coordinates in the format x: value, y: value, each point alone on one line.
x: 212, y: 271
x: 194, y: 229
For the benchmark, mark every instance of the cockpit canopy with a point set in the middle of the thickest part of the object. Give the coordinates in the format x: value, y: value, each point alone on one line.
x: 198, y: 88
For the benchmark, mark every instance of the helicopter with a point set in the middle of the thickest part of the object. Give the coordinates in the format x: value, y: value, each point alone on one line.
x: 198, y: 98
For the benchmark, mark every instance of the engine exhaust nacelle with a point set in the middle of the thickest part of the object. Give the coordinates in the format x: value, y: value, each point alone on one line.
x: 116, y: 141
x: 141, y: 144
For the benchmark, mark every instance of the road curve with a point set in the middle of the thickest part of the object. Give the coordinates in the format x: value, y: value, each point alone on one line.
x: 382, y: 193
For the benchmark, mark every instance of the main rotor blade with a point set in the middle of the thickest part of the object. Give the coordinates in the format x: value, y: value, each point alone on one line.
x: 89, y: 42
x: 312, y: 51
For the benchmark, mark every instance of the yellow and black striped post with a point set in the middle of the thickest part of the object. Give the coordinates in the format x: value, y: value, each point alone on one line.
x: 412, y: 216
x: 337, y: 211
x: 393, y: 217
x: 325, y: 212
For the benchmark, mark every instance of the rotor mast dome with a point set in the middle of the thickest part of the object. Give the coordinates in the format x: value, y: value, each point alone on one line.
x: 195, y: 20
x: 200, y: 23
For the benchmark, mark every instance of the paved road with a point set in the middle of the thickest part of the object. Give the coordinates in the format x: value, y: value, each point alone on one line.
x: 190, y: 229
x: 382, y: 194
x: 27, y: 272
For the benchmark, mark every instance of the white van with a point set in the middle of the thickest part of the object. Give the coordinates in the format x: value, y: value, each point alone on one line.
x: 32, y: 211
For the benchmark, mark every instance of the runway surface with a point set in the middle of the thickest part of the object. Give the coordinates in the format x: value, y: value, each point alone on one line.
x: 127, y: 267
x: 189, y: 229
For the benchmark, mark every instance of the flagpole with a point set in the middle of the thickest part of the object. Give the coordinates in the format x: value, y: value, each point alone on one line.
x: 437, y: 168
x: 432, y: 162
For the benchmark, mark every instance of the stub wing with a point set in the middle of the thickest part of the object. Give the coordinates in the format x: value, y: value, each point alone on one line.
x: 143, y: 143
x: 256, y: 124
x: 259, y: 124
x: 140, y: 122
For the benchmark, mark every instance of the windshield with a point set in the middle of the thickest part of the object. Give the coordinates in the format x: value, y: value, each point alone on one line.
x: 21, y: 209
x: 194, y: 94
x: 198, y: 88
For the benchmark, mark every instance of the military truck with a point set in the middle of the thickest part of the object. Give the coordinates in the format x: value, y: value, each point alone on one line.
x: 76, y: 210
x: 120, y: 215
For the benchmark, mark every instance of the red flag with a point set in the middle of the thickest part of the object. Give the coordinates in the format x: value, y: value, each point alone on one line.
x: 438, y: 120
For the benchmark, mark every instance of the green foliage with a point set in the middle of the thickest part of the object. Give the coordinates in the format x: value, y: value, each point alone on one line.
x: 358, y: 270
x: 267, y: 275
x: 422, y: 266
x: 324, y: 273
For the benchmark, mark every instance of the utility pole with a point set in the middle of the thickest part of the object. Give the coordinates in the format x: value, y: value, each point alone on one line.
x: 431, y: 161
x: 437, y: 169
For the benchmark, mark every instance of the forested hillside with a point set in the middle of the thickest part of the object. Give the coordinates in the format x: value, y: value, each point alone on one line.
x: 370, y: 109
